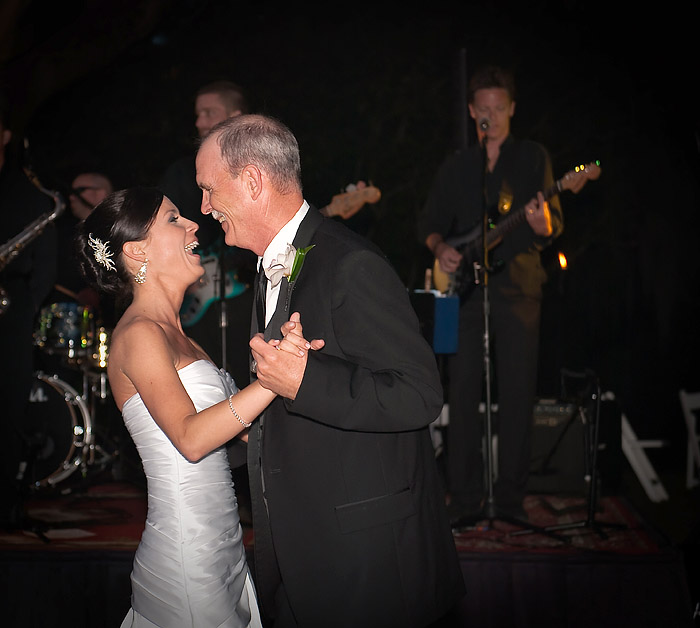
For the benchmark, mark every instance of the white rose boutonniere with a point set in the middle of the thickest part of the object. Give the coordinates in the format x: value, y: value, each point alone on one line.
x: 288, y: 264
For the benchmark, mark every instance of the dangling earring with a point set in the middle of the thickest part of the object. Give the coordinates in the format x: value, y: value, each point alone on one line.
x: 140, y: 277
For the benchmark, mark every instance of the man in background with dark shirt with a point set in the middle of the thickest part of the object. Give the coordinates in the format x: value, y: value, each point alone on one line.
x: 87, y: 190
x: 202, y: 314
x: 213, y: 103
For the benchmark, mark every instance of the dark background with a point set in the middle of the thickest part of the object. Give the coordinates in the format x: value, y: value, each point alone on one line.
x: 375, y: 93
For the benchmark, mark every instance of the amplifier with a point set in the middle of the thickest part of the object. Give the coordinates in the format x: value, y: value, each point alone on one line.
x: 558, y: 454
x: 561, y: 460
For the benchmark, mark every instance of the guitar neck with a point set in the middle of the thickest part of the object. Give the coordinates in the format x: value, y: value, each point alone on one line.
x: 348, y: 204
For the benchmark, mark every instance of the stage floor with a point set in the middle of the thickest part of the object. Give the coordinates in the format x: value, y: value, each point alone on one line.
x: 72, y: 559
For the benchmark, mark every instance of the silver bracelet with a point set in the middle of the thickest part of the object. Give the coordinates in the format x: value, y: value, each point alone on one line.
x: 240, y: 420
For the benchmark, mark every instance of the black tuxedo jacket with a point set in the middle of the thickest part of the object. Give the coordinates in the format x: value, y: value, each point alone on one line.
x: 348, y: 509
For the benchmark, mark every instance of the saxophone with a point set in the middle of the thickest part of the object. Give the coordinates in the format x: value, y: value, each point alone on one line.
x: 14, y: 246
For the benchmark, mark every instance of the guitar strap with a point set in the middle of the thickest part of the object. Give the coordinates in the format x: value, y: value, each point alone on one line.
x: 499, y: 193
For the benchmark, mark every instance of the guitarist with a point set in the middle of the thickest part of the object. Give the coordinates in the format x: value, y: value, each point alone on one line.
x: 515, y: 173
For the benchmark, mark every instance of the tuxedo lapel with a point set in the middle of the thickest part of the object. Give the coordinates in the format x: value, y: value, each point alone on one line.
x: 307, y: 228
x: 303, y: 237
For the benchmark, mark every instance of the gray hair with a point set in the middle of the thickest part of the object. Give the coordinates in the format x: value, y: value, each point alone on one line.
x: 264, y: 142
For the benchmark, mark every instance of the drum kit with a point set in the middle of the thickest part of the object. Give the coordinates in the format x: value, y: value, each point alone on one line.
x: 59, y: 430
x: 60, y: 425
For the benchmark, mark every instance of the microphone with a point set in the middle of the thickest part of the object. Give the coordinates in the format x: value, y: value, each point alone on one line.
x: 484, y: 124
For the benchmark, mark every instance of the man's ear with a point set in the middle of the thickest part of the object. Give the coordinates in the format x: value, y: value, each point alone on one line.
x: 252, y: 179
x: 6, y: 137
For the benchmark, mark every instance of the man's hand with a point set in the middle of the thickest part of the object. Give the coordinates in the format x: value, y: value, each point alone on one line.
x: 448, y: 257
x: 281, y: 364
x: 538, y: 216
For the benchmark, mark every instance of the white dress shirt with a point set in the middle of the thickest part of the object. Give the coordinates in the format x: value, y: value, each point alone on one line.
x: 278, y: 246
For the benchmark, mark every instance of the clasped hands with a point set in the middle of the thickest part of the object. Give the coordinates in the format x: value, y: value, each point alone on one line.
x: 281, y: 363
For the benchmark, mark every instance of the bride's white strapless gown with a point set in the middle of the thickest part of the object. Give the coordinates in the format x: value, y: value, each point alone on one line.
x: 190, y: 567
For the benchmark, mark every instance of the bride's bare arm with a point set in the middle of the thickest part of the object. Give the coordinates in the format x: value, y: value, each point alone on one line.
x: 157, y: 381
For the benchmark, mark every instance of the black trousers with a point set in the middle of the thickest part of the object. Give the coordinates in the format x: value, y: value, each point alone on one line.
x: 514, y: 342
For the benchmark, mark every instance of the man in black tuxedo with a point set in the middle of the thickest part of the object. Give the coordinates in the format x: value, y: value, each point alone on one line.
x: 348, y: 512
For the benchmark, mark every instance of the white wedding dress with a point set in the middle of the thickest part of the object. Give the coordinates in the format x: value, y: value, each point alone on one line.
x: 190, y: 567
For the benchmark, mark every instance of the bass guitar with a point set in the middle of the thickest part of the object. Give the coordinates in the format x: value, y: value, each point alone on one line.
x: 202, y: 294
x: 470, y: 245
x: 349, y: 203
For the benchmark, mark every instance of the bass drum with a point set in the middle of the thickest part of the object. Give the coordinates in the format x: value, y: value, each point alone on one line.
x: 58, y: 431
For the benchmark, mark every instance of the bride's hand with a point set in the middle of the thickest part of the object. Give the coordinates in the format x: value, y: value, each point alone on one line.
x: 293, y: 338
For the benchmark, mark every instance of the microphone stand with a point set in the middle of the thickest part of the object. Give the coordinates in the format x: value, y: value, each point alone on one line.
x: 592, y: 425
x: 481, y: 277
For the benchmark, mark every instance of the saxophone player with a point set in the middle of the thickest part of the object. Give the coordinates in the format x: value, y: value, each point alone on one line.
x: 26, y: 280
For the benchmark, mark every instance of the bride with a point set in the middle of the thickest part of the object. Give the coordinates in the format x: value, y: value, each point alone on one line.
x: 190, y: 567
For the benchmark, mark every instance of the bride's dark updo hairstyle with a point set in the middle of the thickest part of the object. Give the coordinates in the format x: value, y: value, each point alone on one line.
x: 124, y: 216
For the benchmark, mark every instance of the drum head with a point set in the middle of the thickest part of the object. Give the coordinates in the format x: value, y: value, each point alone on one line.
x: 57, y: 431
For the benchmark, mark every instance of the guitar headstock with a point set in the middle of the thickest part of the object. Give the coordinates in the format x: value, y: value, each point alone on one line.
x: 348, y: 204
x: 575, y: 179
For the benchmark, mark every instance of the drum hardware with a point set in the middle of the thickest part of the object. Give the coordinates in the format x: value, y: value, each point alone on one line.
x: 65, y: 329
x: 94, y: 367
x: 100, y: 356
x: 58, y: 432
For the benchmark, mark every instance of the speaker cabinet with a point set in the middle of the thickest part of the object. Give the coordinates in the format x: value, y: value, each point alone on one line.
x: 562, y: 457
x: 558, y: 455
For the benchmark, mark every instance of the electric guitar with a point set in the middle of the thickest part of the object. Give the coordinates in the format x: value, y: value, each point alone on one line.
x: 349, y: 203
x: 470, y: 244
x: 202, y: 294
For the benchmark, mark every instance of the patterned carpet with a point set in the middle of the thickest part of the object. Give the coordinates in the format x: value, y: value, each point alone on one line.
x: 75, y: 552
x: 106, y: 516
x: 561, y: 525
x: 112, y: 515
